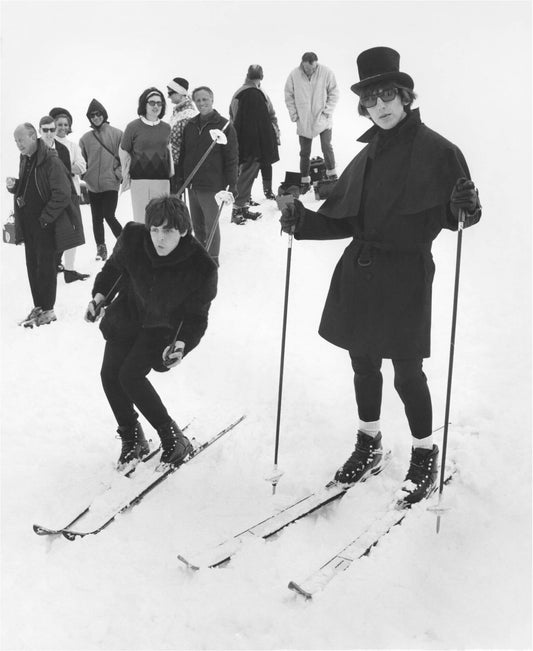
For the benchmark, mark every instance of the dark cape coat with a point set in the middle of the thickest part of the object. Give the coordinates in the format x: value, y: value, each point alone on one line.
x: 393, y: 200
x: 157, y: 292
x: 57, y: 192
x: 253, y: 124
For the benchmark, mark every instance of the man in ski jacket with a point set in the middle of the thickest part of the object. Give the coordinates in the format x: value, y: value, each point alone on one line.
x: 217, y: 172
x: 164, y: 282
x: 393, y: 199
x: 99, y: 147
x: 311, y: 94
x: 45, y: 202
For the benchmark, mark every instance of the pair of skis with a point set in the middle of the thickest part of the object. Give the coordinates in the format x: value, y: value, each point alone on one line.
x: 127, y: 490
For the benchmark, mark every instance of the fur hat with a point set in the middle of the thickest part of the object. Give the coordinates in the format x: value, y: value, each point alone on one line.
x: 380, y: 64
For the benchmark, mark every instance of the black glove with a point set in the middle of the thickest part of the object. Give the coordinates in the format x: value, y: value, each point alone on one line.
x: 292, y: 213
x: 464, y: 197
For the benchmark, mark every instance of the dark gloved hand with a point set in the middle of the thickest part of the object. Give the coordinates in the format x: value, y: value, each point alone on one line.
x: 94, y: 311
x: 292, y: 213
x: 464, y: 197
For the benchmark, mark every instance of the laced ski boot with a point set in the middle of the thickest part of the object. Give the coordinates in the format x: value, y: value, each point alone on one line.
x: 176, y: 446
x: 29, y: 321
x: 248, y: 214
x: 101, y: 252
x: 45, y: 317
x: 365, y: 460
x: 134, y: 445
x: 421, y: 477
x: 237, y: 217
x: 267, y: 189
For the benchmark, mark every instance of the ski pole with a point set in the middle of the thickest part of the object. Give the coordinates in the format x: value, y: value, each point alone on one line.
x: 199, y: 163
x: 167, y: 359
x: 461, y: 222
x: 276, y: 475
x: 98, y: 308
x: 215, y: 224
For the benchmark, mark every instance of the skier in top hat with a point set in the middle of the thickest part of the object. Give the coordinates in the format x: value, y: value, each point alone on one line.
x: 393, y: 199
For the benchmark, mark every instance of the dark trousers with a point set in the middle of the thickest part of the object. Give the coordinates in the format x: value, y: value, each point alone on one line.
x: 103, y: 206
x: 204, y: 212
x: 327, y: 151
x: 409, y: 381
x: 124, y: 369
x: 266, y: 174
x: 41, y: 266
x: 248, y: 172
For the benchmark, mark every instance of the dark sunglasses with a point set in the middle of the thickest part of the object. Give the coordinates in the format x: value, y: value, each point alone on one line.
x: 152, y: 102
x: 95, y: 114
x: 387, y: 95
x: 48, y: 129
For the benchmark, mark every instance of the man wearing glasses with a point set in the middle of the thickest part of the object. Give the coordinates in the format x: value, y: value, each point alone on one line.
x: 99, y: 147
x: 393, y: 199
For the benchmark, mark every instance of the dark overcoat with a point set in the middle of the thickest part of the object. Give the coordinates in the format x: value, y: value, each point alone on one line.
x: 393, y: 200
x: 157, y: 292
x: 253, y: 124
x: 58, y: 194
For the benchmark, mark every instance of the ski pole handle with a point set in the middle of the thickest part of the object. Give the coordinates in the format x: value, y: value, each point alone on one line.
x: 167, y: 360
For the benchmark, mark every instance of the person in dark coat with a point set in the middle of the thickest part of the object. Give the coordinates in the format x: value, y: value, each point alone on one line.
x: 47, y: 218
x: 255, y: 123
x: 217, y: 172
x: 393, y: 199
x: 165, y: 282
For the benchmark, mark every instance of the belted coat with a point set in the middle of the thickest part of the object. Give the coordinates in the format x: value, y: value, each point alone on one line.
x: 393, y: 201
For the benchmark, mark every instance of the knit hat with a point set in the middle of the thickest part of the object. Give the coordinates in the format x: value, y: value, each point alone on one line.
x: 58, y: 112
x: 380, y: 65
x: 180, y: 85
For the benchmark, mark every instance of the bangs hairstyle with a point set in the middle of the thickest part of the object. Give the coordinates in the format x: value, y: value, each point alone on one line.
x: 170, y: 209
x: 407, y: 96
x: 141, y: 109
x: 46, y: 119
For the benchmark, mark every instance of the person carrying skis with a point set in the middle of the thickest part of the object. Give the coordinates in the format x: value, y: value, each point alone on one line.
x: 393, y: 199
x: 165, y: 282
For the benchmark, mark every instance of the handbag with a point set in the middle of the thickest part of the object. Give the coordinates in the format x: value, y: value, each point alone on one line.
x: 8, y: 229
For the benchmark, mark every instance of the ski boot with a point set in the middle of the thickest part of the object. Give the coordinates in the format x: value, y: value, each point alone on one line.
x: 267, y: 189
x: 45, y: 317
x: 176, y: 446
x: 31, y: 319
x: 237, y: 217
x: 365, y: 460
x: 101, y: 252
x: 134, y: 446
x: 248, y: 214
x: 421, y: 477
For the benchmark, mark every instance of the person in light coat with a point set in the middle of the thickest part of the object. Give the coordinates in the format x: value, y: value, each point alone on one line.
x: 311, y: 94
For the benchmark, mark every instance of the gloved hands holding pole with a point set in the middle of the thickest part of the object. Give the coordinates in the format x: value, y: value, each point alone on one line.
x: 173, y: 354
x: 464, y: 197
x: 95, y: 309
x: 224, y: 197
x: 292, y: 213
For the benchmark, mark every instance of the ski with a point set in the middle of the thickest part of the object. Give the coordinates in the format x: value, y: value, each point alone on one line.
x: 303, y: 507
x: 130, y: 488
x: 361, y: 546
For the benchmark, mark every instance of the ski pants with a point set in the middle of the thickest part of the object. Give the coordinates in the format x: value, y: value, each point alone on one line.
x: 125, y: 367
x: 204, y: 211
x: 39, y: 247
x: 409, y: 381
x: 248, y: 172
x: 305, y: 152
x: 103, y: 206
x: 142, y: 190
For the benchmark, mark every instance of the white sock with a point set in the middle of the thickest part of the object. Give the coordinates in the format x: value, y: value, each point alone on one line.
x: 426, y: 443
x: 371, y: 428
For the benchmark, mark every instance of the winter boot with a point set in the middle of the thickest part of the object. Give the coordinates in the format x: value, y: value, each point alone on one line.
x: 176, y: 446
x: 101, y: 252
x: 267, y: 189
x: 237, y: 217
x: 45, y: 317
x: 134, y: 445
x: 365, y: 460
x: 32, y: 317
x: 248, y: 214
x: 72, y: 276
x: 421, y: 477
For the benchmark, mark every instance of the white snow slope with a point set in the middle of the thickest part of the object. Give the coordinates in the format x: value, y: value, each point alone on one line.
x: 467, y: 587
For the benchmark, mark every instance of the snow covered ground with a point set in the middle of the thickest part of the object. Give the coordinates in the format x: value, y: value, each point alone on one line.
x: 467, y: 587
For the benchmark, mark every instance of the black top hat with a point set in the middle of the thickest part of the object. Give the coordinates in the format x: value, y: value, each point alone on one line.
x: 380, y: 64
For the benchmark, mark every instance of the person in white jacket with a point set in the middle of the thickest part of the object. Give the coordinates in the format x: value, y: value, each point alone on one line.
x: 311, y: 94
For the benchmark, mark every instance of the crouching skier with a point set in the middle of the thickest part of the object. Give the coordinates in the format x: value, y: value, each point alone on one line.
x: 165, y: 282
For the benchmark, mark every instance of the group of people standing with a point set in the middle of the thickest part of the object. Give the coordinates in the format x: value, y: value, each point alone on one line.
x: 392, y: 200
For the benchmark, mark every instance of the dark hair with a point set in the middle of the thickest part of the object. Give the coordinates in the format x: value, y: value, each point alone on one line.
x: 207, y: 90
x: 309, y: 57
x: 168, y: 208
x: 141, y: 109
x: 255, y: 72
x: 46, y: 119
x: 407, y: 96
